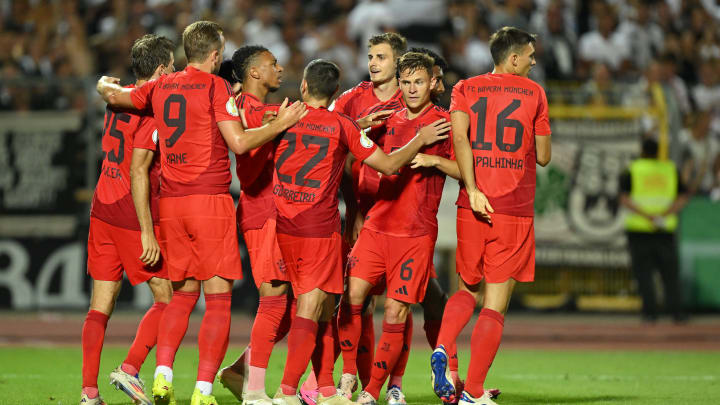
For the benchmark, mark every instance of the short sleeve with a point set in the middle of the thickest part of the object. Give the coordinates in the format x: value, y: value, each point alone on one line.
x: 146, y: 135
x: 223, y: 101
x: 357, y: 142
x: 542, y: 122
x: 457, y: 99
x: 142, y: 96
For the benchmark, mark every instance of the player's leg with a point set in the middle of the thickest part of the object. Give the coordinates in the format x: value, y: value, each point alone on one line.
x: 301, y: 340
x: 171, y: 331
x: 349, y: 331
x: 323, y: 359
x: 394, y: 394
x: 433, y: 307
x: 366, y: 344
x: 126, y: 376
x: 102, y: 303
x: 389, y: 348
x: 486, y: 338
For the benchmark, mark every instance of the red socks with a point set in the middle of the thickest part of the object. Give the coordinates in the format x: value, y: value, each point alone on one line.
x: 366, y: 349
x: 483, y: 347
x: 458, y: 311
x: 93, y: 336
x: 350, y: 327
x: 389, y: 350
x: 323, y: 359
x: 214, y: 335
x: 301, y: 343
x: 145, y: 339
x: 271, y: 313
x: 399, y: 369
x: 173, y: 325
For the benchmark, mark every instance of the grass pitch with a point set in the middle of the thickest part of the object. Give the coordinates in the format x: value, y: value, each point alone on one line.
x: 51, y: 376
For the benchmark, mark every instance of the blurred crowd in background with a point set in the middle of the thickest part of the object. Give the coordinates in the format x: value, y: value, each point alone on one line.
x: 608, y: 52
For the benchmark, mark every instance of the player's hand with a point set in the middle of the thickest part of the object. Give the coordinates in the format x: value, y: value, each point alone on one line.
x: 105, y: 80
x: 375, y: 118
x: 151, y: 250
x: 287, y: 116
x: 434, y: 132
x: 268, y: 117
x: 423, y: 160
x: 480, y: 204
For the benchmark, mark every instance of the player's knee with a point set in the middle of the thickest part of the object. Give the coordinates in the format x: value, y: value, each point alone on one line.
x: 161, y: 290
x: 103, y: 297
x: 356, y: 294
x: 395, y: 311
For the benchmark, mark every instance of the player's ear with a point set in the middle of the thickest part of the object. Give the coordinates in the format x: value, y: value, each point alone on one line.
x: 303, y: 86
x: 254, y: 73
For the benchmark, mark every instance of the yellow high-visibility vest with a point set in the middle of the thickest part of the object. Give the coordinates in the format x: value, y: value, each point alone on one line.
x: 654, y: 189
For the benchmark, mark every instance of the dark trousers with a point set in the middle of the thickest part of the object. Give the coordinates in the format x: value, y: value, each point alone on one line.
x: 650, y: 252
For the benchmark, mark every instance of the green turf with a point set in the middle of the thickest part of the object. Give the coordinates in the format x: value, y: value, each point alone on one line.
x: 30, y: 376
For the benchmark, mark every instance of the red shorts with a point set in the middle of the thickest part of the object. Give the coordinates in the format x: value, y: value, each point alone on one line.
x: 403, y: 262
x: 112, y: 250
x: 198, y: 237
x: 496, y: 252
x: 265, y: 256
x: 313, y: 263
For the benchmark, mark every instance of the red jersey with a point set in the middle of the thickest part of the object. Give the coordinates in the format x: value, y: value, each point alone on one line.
x: 112, y: 201
x: 506, y: 113
x: 255, y: 169
x: 187, y: 106
x: 407, y: 202
x: 309, y: 159
x: 355, y: 101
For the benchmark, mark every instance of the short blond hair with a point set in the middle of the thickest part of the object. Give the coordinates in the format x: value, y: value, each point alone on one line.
x: 200, y: 39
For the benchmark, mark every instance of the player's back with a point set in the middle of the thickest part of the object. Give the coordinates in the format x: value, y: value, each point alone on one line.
x: 309, y: 160
x: 194, y: 156
x: 407, y: 202
x: 112, y: 200
x: 506, y: 113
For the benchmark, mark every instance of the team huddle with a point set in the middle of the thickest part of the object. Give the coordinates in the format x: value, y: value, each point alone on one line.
x: 162, y: 214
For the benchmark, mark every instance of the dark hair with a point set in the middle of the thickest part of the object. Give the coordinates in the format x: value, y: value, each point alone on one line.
x: 243, y: 58
x: 148, y: 53
x: 397, y: 42
x: 322, y: 77
x: 438, y: 60
x: 507, y: 40
x: 413, y: 61
x: 200, y: 39
x: 226, y: 71
x: 649, y: 148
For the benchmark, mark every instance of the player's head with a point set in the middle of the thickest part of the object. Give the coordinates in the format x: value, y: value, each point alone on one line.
x: 321, y: 80
x: 152, y: 56
x: 513, y: 51
x: 383, y: 52
x: 439, y: 67
x: 649, y: 148
x: 257, y: 63
x: 203, y: 41
x: 416, y: 79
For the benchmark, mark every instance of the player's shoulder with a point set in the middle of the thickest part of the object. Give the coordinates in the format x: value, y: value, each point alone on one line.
x: 345, y: 119
x: 359, y: 89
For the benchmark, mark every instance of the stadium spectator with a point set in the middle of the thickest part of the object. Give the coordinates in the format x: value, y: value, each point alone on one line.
x: 700, y: 169
x: 604, y: 44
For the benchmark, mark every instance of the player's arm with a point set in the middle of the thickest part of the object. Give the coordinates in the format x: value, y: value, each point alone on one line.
x: 114, y: 94
x: 447, y: 166
x: 374, y: 119
x: 461, y: 144
x: 140, y: 188
x: 543, y: 149
x: 427, y: 135
x: 241, y: 141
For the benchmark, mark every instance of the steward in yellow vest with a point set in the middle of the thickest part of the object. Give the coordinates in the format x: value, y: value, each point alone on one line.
x: 653, y: 195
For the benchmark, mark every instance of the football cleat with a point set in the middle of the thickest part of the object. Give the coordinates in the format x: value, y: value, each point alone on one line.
x: 440, y: 374
x: 492, y: 393
x: 338, y: 399
x: 258, y: 397
x: 85, y: 400
x: 233, y: 381
x: 309, y: 397
x: 282, y: 399
x: 348, y: 384
x: 365, y: 399
x: 395, y: 396
x: 198, y: 398
x: 162, y: 391
x: 131, y: 385
x: 467, y: 399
